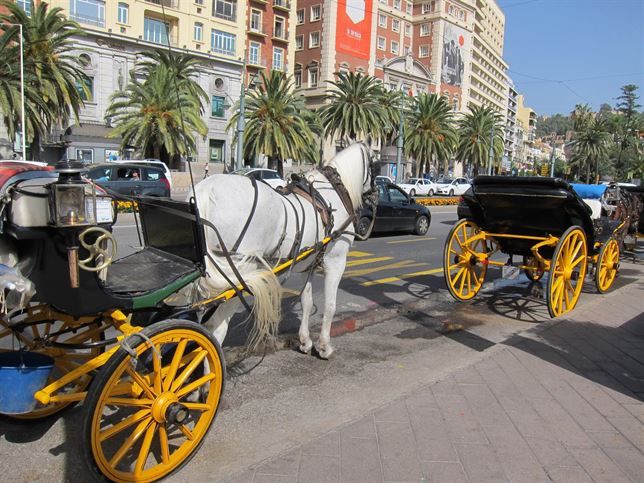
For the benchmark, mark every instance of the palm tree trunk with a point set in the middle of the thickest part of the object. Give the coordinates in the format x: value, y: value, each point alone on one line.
x: 280, y: 167
x: 588, y: 162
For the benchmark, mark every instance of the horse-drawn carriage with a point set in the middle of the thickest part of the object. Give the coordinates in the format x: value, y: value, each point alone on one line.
x: 125, y: 335
x: 545, y: 223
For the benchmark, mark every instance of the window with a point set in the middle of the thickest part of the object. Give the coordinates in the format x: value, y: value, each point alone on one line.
x: 423, y: 51
x: 427, y: 7
x: 397, y: 4
x: 155, y: 31
x: 226, y: 9
x: 91, y: 12
x: 199, y: 2
x: 409, y: 8
x: 122, y: 13
x: 313, y: 77
x: 254, y: 50
x: 395, y: 25
x: 316, y: 13
x: 87, y: 93
x: 222, y: 42
x: 217, y: 151
x: 300, y: 16
x: 455, y: 101
x: 85, y: 155
x: 407, y: 30
x: 299, y: 42
x: 256, y: 20
x: 406, y: 50
x: 382, y: 43
x: 25, y: 5
x: 394, y: 47
x: 218, y: 109
x: 384, y: 2
x: 278, y: 58
x: 395, y: 195
x: 382, y: 20
x: 279, y: 28
x: 198, y: 32
x: 424, y: 29
x: 314, y: 40
x: 298, y: 78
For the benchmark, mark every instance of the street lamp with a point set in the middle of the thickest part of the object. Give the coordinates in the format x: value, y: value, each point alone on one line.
x: 22, y: 90
x: 399, y: 153
x: 241, y: 121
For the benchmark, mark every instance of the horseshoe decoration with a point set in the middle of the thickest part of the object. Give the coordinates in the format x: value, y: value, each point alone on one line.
x: 101, y: 252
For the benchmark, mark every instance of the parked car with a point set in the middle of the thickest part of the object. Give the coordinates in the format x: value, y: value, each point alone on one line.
x: 418, y: 186
x: 380, y: 179
x: 157, y: 163
x: 131, y: 179
x: 453, y: 187
x: 269, y: 176
x: 396, y: 212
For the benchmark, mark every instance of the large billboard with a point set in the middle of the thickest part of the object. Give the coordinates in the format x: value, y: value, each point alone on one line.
x: 353, y: 35
x: 455, y: 49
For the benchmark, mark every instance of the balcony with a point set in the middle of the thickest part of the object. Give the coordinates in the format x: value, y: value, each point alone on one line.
x: 282, y: 5
x: 256, y: 31
x: 166, y: 3
x: 256, y: 62
x: 86, y: 19
x: 280, y: 34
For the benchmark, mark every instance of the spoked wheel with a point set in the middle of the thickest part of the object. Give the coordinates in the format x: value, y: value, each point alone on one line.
x: 39, y: 329
x: 535, y: 272
x: 607, y: 265
x: 145, y: 420
x: 464, y: 261
x: 567, y: 271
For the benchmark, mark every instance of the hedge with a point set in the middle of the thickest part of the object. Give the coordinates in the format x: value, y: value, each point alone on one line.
x: 437, y: 201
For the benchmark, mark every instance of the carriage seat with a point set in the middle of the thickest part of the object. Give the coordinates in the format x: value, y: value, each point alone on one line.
x: 596, y: 207
x: 146, y: 271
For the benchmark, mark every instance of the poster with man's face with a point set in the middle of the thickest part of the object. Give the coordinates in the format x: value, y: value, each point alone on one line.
x: 455, y: 48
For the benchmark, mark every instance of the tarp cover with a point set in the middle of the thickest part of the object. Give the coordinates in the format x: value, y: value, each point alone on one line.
x: 589, y: 191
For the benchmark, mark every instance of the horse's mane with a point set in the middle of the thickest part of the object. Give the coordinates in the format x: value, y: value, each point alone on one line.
x: 350, y: 164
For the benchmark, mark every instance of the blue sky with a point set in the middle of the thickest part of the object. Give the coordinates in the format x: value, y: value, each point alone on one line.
x: 594, y: 46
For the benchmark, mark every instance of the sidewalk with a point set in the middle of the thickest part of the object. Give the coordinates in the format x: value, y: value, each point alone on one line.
x: 560, y: 402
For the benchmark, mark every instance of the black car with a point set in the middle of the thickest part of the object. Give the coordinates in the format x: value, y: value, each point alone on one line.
x: 131, y: 179
x: 396, y: 212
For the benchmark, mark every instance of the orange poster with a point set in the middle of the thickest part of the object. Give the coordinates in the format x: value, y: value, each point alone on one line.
x: 353, y: 35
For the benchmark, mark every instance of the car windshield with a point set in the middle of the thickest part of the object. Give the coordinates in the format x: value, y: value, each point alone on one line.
x: 243, y: 171
x: 446, y: 180
x: 410, y: 181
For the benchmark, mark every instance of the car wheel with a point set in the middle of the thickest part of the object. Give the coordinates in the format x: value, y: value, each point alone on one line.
x: 451, y: 192
x: 412, y: 192
x: 422, y: 225
x: 363, y: 225
x: 430, y: 192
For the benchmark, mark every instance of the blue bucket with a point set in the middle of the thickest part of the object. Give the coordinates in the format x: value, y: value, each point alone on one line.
x: 21, y: 375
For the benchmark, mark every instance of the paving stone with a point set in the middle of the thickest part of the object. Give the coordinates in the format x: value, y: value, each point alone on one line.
x: 461, y: 423
x: 630, y: 460
x: 550, y: 453
x: 444, y: 472
x: 598, y: 466
x: 362, y: 428
x: 562, y: 424
x: 636, y: 410
x: 430, y: 432
x: 398, y: 452
x: 360, y: 461
x: 510, y: 363
x: 286, y: 465
x: 608, y: 439
x: 481, y: 463
x: 503, y: 388
x: 273, y: 479
x: 597, y: 397
x: 631, y: 380
x: 568, y: 474
x: 394, y: 412
x: 485, y: 406
x: 631, y: 427
x: 446, y: 386
x: 614, y: 388
x: 319, y: 469
x: 469, y: 375
x: 245, y: 477
x: 326, y: 445
x: 530, y: 424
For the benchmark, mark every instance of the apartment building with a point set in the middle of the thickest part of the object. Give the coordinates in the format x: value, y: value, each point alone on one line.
x: 527, y: 119
x: 510, y: 140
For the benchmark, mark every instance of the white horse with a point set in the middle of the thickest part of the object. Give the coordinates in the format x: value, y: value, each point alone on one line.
x: 276, y: 224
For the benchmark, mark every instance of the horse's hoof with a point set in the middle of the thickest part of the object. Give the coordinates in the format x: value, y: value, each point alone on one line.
x: 306, y: 348
x: 326, y: 353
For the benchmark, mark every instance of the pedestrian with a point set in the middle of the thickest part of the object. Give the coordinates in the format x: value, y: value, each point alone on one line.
x: 205, y: 169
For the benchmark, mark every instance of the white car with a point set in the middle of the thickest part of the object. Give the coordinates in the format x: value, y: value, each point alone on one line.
x: 453, y: 187
x: 268, y: 176
x: 418, y: 186
x: 157, y: 163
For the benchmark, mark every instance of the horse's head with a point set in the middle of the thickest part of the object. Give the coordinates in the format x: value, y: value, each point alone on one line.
x: 355, y: 167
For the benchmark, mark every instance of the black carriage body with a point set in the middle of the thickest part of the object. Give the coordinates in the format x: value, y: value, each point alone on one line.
x: 527, y: 206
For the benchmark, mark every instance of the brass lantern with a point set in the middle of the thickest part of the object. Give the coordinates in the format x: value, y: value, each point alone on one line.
x: 69, y: 205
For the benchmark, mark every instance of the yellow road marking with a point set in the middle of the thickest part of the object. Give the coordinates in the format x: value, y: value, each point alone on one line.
x: 367, y: 271
x: 364, y: 261
x: 412, y: 240
x: 401, y: 277
x: 355, y: 253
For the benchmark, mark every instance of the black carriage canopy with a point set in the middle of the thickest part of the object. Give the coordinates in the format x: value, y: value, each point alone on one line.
x: 527, y: 206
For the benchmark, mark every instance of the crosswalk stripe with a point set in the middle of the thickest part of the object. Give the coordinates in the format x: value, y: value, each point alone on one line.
x: 367, y: 271
x: 401, y: 277
x: 412, y: 240
x: 356, y: 253
x: 364, y: 261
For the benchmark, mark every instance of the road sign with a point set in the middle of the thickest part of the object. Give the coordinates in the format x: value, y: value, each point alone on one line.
x: 544, y: 170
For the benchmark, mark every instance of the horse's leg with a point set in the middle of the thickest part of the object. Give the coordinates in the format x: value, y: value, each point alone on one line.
x: 218, y: 323
x: 334, y: 263
x: 307, y: 307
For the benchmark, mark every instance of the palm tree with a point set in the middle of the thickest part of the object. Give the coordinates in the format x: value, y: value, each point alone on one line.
x: 392, y: 102
x: 356, y: 110
x: 474, y: 137
x: 55, y: 84
x: 430, y: 135
x: 590, y: 146
x: 277, y: 122
x: 581, y: 117
x: 157, y: 115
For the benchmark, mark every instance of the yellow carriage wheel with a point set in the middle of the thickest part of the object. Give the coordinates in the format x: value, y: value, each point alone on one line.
x: 464, y: 260
x: 535, y: 272
x: 607, y: 265
x: 63, y: 329
x: 567, y: 271
x: 144, y: 420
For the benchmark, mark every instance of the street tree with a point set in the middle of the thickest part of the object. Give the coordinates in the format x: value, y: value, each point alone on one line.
x: 581, y: 117
x: 590, y: 146
x: 430, y: 136
x: 55, y: 84
x: 473, y: 145
x: 278, y: 124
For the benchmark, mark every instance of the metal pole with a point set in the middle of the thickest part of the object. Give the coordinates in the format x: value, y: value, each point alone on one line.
x: 552, y: 158
x: 399, y: 153
x: 241, y: 121
x: 491, y: 155
x: 22, y: 95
